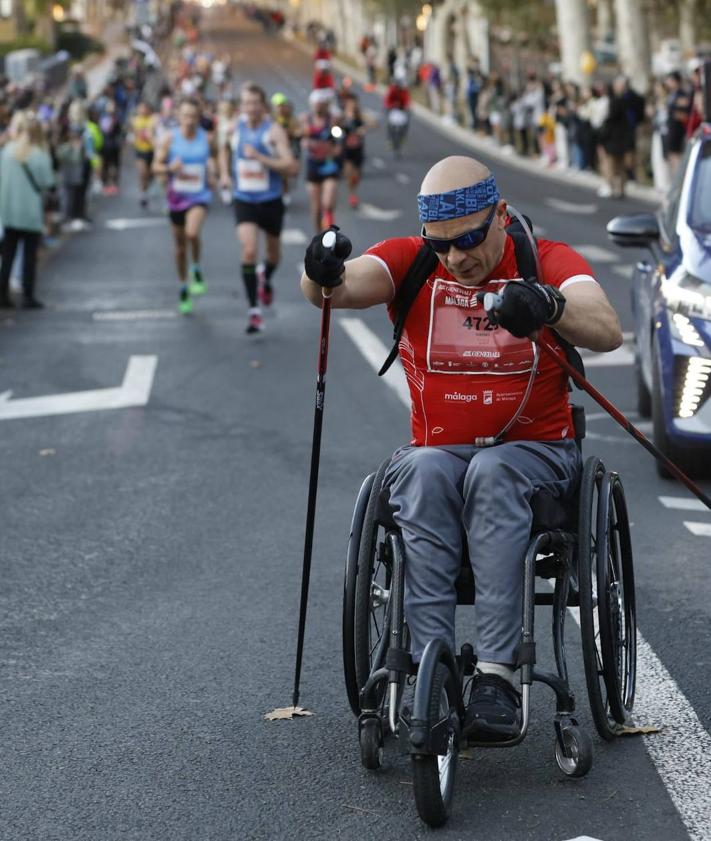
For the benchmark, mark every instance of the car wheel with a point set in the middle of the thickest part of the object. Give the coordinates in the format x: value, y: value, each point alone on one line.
x: 644, y: 397
x: 694, y: 462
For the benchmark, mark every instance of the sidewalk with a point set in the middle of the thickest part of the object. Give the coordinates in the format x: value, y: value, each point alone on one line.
x: 488, y: 146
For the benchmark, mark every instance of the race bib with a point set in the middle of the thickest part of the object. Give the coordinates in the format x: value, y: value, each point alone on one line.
x: 462, y: 339
x: 190, y: 179
x: 252, y: 176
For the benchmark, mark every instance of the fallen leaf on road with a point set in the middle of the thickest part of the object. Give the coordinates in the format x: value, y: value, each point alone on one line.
x: 637, y: 730
x: 286, y: 713
x: 467, y: 753
x: 48, y: 452
x: 359, y: 809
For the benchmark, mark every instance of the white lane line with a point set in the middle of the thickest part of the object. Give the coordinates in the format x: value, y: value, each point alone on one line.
x: 293, y: 236
x: 622, y: 356
x: 132, y: 315
x: 571, y: 207
x: 681, y: 752
x: 623, y: 271
x: 379, y: 163
x: 681, y: 503
x: 140, y: 222
x: 375, y: 354
x: 402, y: 178
x: 700, y: 530
x: 596, y: 254
x: 584, y: 838
x: 379, y: 214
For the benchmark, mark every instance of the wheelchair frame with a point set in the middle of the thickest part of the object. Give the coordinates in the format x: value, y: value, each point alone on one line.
x: 601, y: 584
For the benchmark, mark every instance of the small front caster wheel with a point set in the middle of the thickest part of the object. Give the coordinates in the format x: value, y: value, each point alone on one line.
x: 371, y: 743
x: 578, y: 746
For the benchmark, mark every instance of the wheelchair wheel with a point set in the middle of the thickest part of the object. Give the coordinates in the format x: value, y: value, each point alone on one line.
x: 371, y: 605
x: 371, y: 743
x: 349, y: 589
x: 587, y: 550
x: 434, y: 775
x: 577, y: 759
x: 616, y: 600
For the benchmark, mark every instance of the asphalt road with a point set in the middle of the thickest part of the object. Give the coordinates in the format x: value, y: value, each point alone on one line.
x: 151, y: 556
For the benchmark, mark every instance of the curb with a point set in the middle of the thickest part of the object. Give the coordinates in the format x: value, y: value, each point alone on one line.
x: 485, y: 146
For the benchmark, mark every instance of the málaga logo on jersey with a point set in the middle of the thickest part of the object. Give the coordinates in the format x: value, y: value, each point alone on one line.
x: 463, y: 340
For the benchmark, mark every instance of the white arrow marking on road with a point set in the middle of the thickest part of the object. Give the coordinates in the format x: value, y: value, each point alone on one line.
x: 584, y: 838
x: 134, y: 391
x: 293, y: 236
x: 681, y: 503
x: 140, y: 222
x: 570, y: 207
x: 596, y: 254
x: 699, y: 529
x: 370, y: 211
x: 681, y: 752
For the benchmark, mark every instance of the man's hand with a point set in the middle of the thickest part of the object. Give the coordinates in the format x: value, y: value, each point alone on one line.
x: 526, y: 306
x: 325, y: 265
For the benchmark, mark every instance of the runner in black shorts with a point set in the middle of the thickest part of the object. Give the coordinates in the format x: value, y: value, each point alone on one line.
x: 354, y: 124
x: 252, y: 164
x: 321, y: 143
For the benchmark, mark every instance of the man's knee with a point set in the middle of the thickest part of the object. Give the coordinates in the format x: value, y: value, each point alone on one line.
x: 494, y: 474
x: 425, y: 467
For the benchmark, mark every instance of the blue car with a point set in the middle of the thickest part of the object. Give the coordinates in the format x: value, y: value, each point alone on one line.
x: 671, y: 303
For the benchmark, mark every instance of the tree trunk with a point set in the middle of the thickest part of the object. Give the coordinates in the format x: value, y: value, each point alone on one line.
x: 22, y: 26
x: 633, y: 43
x: 687, y: 31
x: 573, y: 36
x: 605, y: 24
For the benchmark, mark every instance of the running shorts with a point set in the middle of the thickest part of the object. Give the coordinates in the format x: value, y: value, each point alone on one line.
x: 266, y: 215
x: 177, y: 217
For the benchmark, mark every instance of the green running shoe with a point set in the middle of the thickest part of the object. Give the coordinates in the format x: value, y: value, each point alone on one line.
x: 197, y: 282
x: 185, y: 305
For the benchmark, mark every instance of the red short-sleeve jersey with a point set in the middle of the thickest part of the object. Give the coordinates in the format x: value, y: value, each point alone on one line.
x: 467, y: 377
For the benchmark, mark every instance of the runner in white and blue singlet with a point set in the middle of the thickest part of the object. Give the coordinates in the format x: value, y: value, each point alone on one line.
x: 251, y: 165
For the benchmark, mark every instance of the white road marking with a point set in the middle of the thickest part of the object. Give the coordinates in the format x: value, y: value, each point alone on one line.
x: 623, y: 271
x: 402, y: 178
x: 370, y: 211
x: 132, y: 315
x: 620, y: 357
x: 584, y: 838
x: 375, y: 354
x: 682, y: 503
x: 596, y: 254
x: 681, y: 752
x: 379, y: 163
x: 700, y: 530
x: 571, y: 207
x: 139, y: 222
x: 134, y: 391
x: 293, y: 236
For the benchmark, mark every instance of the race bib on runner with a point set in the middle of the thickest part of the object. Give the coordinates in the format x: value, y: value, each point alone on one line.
x: 191, y: 179
x: 462, y: 340
x: 252, y: 176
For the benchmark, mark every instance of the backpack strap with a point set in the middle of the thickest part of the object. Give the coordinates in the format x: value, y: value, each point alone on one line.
x: 526, y: 262
x: 420, y: 269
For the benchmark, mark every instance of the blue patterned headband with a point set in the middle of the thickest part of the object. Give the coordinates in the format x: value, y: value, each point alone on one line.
x: 460, y: 202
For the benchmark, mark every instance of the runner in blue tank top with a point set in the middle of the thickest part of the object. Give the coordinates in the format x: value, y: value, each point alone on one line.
x: 187, y: 156
x: 252, y: 163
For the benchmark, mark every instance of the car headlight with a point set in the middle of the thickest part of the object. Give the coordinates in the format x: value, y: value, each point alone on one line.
x: 692, y: 385
x: 687, y: 295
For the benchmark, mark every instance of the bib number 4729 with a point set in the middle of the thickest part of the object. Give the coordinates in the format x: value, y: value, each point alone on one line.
x: 475, y: 322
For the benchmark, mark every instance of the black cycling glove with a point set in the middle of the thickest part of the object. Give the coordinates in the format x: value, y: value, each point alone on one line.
x: 526, y: 306
x: 325, y: 265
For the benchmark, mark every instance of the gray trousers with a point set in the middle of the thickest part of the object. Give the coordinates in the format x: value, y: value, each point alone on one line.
x: 442, y: 495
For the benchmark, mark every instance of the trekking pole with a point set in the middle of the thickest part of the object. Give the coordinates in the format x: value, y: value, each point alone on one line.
x: 328, y: 242
x: 494, y: 301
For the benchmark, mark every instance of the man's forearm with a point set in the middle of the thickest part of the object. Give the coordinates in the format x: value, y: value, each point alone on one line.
x: 595, y: 328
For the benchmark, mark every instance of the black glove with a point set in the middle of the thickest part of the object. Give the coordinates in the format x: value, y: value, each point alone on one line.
x: 526, y: 306
x: 325, y: 265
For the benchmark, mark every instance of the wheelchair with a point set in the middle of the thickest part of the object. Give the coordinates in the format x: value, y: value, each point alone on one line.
x: 581, y: 545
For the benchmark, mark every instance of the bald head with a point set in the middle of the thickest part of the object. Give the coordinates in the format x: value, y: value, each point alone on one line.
x: 452, y: 173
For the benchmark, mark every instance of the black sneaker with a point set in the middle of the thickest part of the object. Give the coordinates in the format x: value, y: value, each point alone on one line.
x: 492, y: 711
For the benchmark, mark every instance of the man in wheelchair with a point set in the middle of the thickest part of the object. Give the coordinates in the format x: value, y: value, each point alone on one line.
x: 491, y: 422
